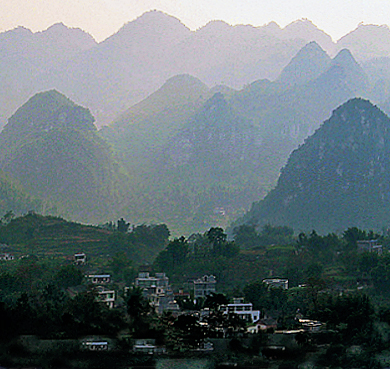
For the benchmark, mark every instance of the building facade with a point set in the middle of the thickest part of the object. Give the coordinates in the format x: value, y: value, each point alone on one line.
x: 158, y: 291
x: 242, y: 309
x: 204, y: 286
x: 277, y: 283
x: 369, y: 246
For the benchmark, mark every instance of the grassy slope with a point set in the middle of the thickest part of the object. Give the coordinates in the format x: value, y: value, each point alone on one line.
x: 49, y: 236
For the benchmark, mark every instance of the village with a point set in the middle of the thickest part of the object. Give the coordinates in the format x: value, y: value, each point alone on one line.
x: 220, y: 319
x: 199, y: 299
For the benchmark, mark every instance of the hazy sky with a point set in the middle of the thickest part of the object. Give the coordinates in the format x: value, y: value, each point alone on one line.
x: 101, y: 18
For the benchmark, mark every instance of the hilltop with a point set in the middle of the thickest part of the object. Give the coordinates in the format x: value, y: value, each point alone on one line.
x: 51, y: 146
x: 338, y: 178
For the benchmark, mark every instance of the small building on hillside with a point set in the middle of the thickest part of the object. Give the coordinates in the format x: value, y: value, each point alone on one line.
x: 242, y: 309
x: 106, y: 296
x: 145, y: 280
x: 147, y: 346
x: 267, y: 323
x: 183, y: 295
x: 310, y: 325
x: 263, y: 325
x: 99, y: 278
x: 6, y: 256
x: 80, y: 258
x: 204, y: 286
x: 369, y: 246
x: 276, y: 283
x: 158, y: 291
x: 96, y: 345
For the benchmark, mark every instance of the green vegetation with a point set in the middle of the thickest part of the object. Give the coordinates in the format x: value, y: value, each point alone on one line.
x: 48, y: 236
x: 46, y: 287
x: 14, y: 197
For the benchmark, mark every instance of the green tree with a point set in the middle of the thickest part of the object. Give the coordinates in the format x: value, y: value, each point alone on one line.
x: 215, y: 300
x: 68, y: 276
x: 220, y: 245
x: 122, y: 225
x: 7, y: 217
x: 190, y: 330
x: 121, y: 267
x: 281, y: 235
x: 86, y: 313
x: 381, y: 274
x: 352, y: 315
x: 174, y: 255
x: 257, y: 294
x: 246, y: 236
x: 367, y: 262
x: 352, y: 235
x: 138, y: 309
x: 314, y: 282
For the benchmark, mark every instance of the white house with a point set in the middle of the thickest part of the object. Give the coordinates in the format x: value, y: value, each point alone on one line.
x: 99, y: 278
x: 158, y: 291
x: 204, y: 286
x: 244, y: 310
x: 96, y: 345
x: 80, y: 258
x: 277, y: 283
x: 369, y: 246
x: 106, y: 296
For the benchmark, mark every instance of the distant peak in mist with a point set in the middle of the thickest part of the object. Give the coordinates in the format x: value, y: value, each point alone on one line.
x: 57, y: 26
x: 183, y: 78
x: 272, y: 26
x: 301, y: 22
x: 19, y: 31
x: 155, y: 17
x: 217, y: 25
x: 344, y: 57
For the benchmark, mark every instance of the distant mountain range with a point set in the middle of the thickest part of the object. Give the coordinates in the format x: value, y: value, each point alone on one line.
x: 309, y: 63
x: 338, y: 178
x: 201, y: 156
x: 185, y: 154
x: 111, y: 76
x: 27, y: 59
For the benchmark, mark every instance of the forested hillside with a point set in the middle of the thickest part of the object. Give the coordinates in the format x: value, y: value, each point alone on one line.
x: 15, y: 199
x: 51, y: 236
x: 337, y: 179
x: 50, y: 145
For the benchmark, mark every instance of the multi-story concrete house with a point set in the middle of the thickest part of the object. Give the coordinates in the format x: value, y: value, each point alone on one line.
x: 242, y: 309
x: 204, y: 286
